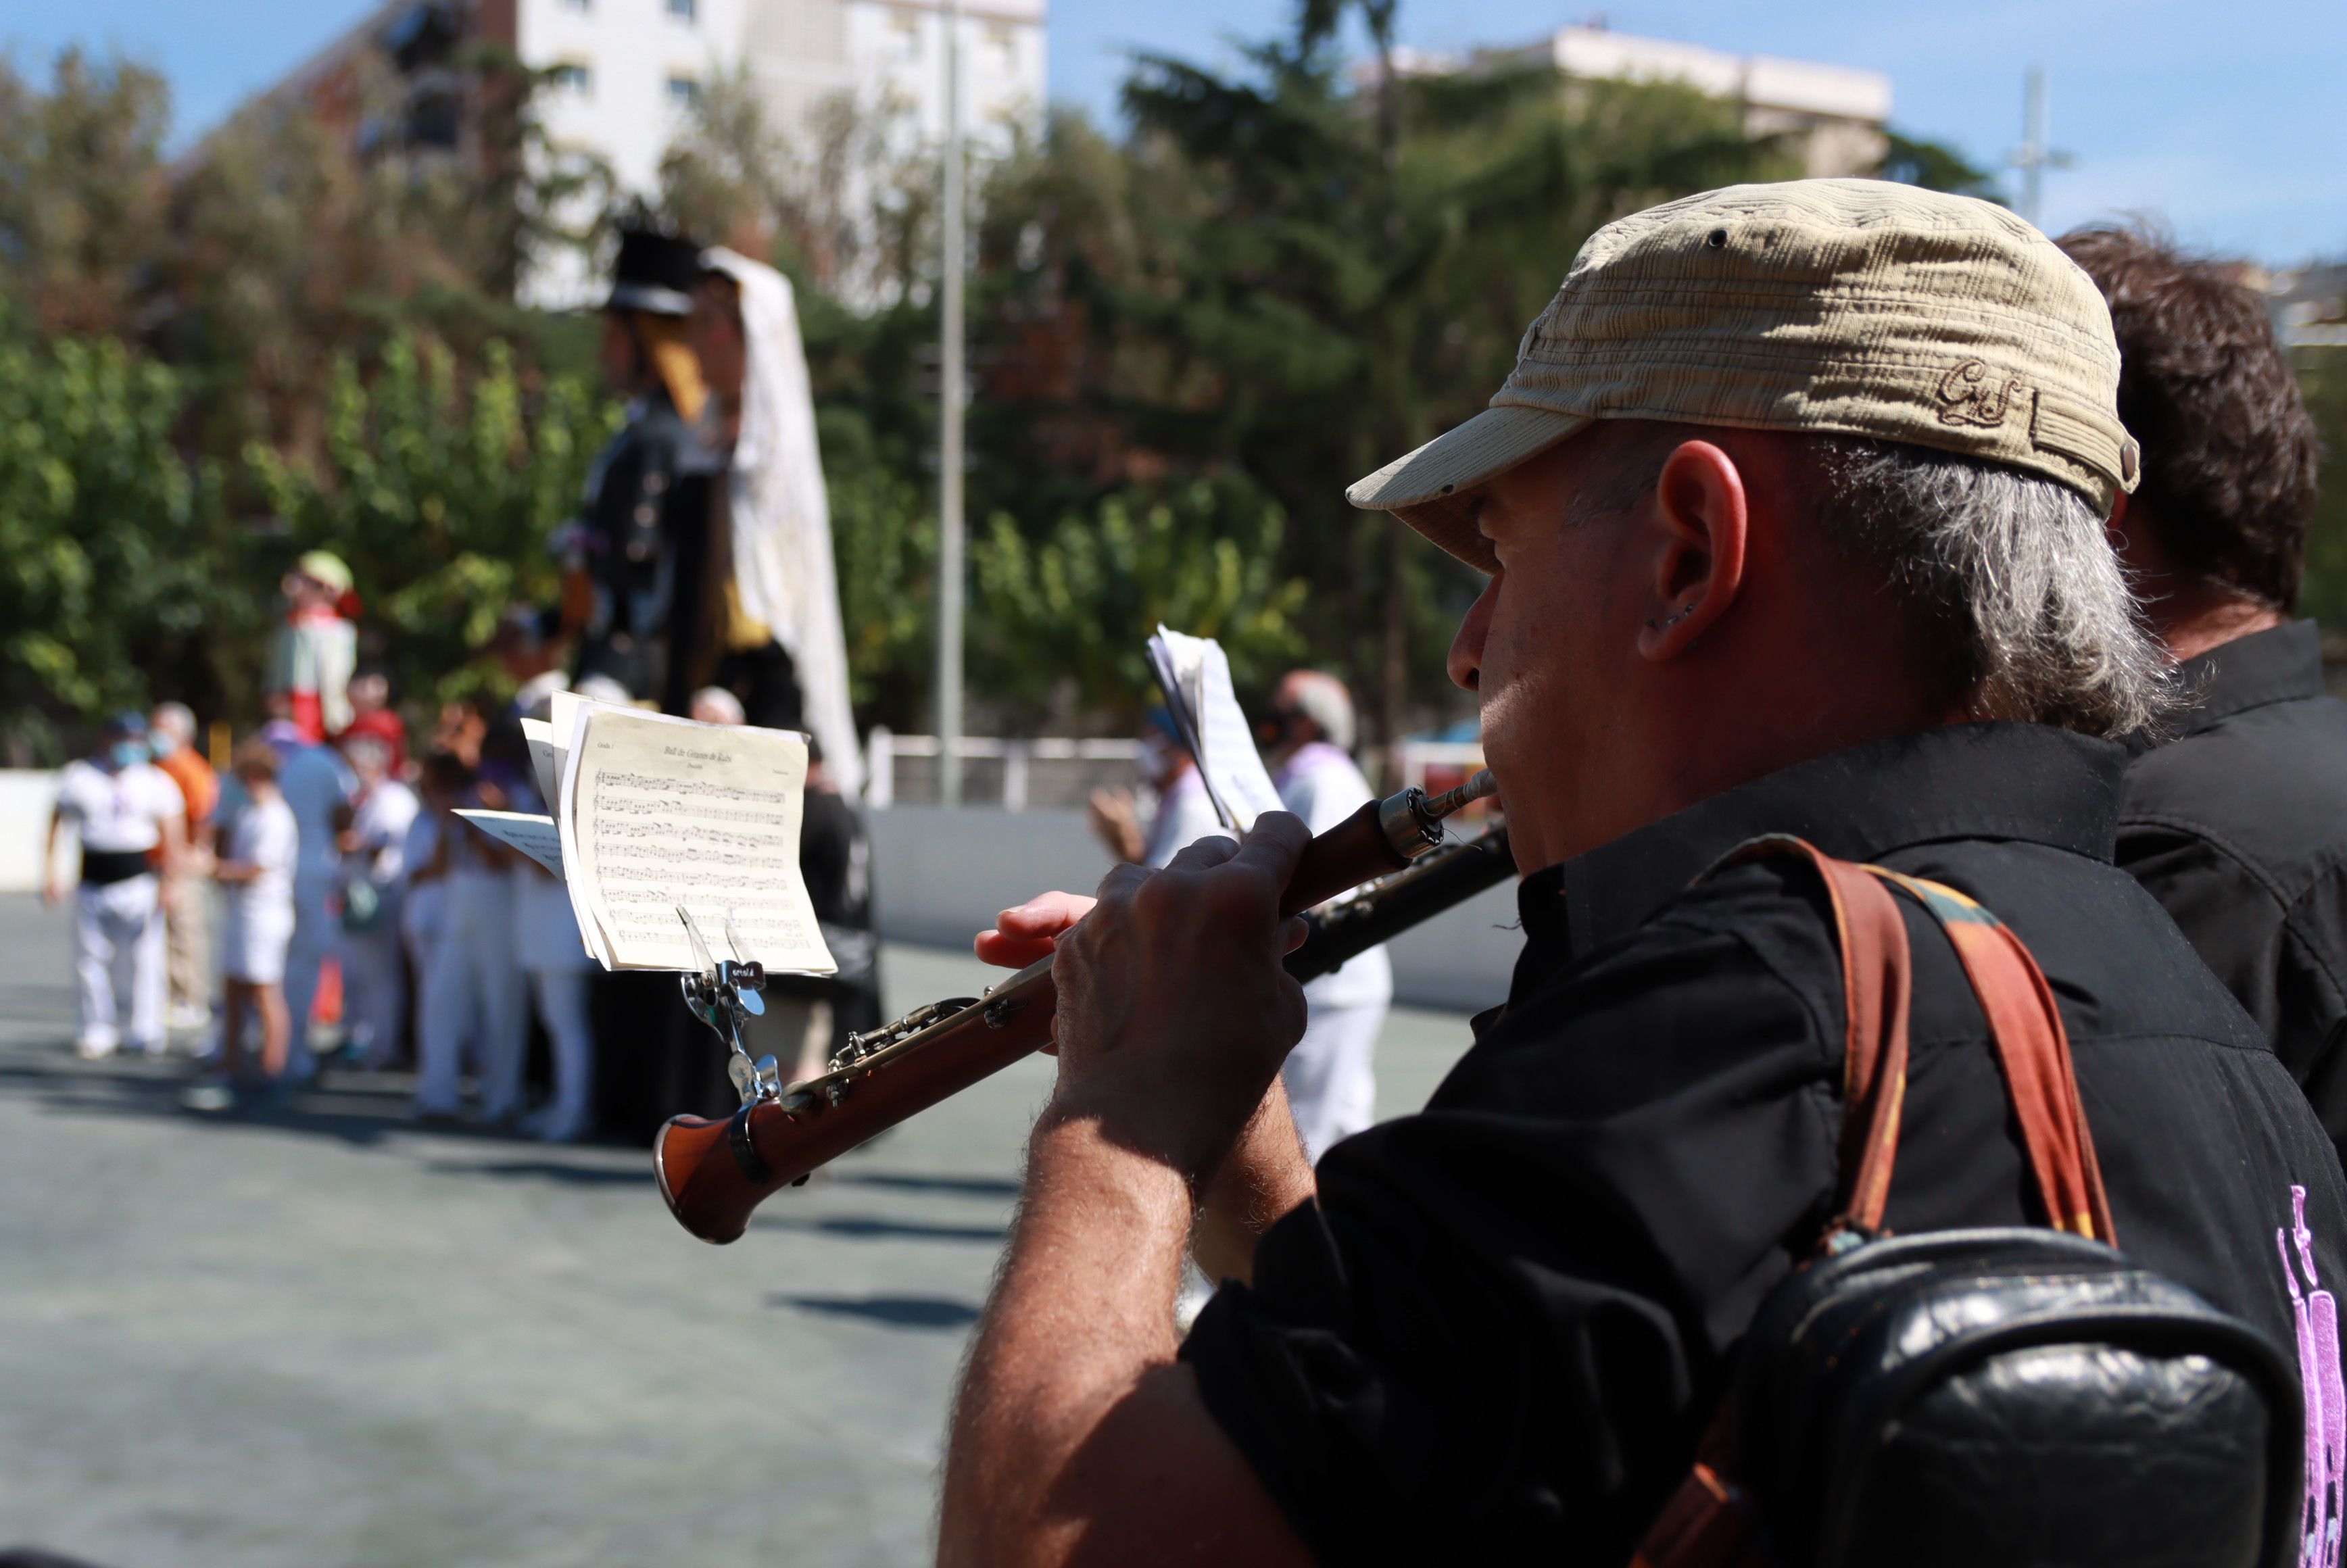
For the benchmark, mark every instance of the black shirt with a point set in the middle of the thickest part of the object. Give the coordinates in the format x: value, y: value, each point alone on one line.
x: 2239, y: 826
x: 1497, y: 1335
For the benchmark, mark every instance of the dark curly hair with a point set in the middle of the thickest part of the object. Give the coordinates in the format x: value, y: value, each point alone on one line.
x: 2229, y: 453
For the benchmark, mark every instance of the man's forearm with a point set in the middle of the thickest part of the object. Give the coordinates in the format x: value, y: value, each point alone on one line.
x: 1083, y: 1310
x: 1265, y: 1176
x: 1077, y: 1439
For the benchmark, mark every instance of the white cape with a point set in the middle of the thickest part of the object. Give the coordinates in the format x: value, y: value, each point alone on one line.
x: 782, y: 515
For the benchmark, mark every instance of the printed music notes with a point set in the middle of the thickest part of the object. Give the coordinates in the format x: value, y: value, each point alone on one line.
x: 657, y: 814
x: 651, y: 814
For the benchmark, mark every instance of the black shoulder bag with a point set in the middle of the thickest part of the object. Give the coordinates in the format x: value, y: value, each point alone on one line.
x: 1994, y: 1398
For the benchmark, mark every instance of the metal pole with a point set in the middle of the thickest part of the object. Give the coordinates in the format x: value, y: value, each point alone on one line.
x: 2032, y: 143
x: 950, y: 417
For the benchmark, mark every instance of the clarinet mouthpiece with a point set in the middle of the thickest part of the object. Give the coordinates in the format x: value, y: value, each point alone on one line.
x: 1482, y: 786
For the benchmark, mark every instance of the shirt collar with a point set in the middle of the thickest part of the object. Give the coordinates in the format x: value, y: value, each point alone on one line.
x: 2280, y: 664
x: 1999, y: 781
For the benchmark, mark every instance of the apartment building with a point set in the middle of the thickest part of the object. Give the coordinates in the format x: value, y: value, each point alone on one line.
x: 623, y: 75
x: 1831, y: 117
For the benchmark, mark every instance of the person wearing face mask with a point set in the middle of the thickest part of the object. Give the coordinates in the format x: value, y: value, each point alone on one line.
x: 1332, y: 1089
x: 1184, y: 813
x: 187, y: 902
x: 130, y: 817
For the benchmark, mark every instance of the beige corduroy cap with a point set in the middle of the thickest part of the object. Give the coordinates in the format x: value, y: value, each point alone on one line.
x: 1852, y: 306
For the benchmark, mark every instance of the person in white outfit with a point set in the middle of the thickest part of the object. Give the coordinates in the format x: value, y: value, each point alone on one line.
x: 546, y: 945
x: 477, y: 986
x: 129, y: 815
x: 374, y: 986
x: 317, y: 787
x: 1332, y: 1088
x: 1185, y: 814
x: 258, y: 868
x: 443, y: 1022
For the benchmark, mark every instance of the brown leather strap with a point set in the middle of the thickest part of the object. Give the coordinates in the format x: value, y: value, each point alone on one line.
x: 1876, y: 974
x: 1709, y: 1520
x: 2034, y: 1048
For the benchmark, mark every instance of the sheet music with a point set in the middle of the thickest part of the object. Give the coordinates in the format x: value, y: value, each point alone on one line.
x: 1196, y: 675
x: 657, y: 812
x: 534, y: 835
x: 546, y: 757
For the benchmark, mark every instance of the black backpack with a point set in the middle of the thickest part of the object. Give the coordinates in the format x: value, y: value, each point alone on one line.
x: 1983, y: 1399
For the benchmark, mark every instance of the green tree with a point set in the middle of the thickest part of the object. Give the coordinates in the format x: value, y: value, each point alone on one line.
x: 1062, y: 619
x: 113, y: 543
x: 1276, y: 279
x: 2323, y: 376
x: 1935, y: 166
x: 444, y: 492
x: 82, y: 206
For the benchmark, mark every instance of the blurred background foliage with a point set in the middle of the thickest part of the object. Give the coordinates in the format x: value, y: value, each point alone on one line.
x: 1186, y: 338
x: 2323, y: 376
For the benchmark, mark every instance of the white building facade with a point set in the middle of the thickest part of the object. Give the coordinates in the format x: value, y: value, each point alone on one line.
x: 626, y: 74
x: 1830, y: 117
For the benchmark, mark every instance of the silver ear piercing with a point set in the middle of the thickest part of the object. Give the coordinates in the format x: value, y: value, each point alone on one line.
x: 1654, y: 625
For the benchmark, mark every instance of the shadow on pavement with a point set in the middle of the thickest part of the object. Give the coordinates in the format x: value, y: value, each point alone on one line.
x: 892, y: 1311
x: 867, y: 1229
x: 350, y: 1107
x: 967, y: 1186
x: 552, y: 1171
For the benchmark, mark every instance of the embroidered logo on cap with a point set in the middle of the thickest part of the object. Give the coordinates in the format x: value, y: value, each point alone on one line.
x: 1968, y: 396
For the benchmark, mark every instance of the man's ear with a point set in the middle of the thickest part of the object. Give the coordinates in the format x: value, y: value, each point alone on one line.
x: 1700, y: 517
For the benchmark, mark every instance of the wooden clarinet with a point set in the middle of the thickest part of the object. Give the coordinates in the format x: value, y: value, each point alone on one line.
x: 713, y: 1174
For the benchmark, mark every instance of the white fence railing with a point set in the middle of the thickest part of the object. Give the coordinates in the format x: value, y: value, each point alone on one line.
x: 1109, y: 759
x: 1018, y: 774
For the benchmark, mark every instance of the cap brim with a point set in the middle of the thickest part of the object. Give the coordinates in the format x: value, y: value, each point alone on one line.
x: 1432, y: 489
x: 650, y: 298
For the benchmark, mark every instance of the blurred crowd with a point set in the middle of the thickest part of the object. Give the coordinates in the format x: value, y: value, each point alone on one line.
x: 357, y: 917
x: 348, y: 917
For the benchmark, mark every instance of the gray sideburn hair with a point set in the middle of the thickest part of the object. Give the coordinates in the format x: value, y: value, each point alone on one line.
x: 2027, y: 614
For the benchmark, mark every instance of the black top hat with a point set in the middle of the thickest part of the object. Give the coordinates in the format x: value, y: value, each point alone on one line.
x: 656, y: 273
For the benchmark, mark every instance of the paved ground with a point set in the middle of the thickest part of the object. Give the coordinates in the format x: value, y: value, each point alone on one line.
x: 324, y: 1339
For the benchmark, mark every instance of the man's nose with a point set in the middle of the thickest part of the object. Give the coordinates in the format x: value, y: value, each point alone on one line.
x: 1465, y: 664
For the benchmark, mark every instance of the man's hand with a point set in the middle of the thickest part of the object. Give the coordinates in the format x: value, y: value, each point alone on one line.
x: 1174, y: 1012
x: 1116, y: 822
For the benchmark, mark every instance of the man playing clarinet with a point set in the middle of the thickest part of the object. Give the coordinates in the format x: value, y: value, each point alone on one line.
x: 1792, y: 512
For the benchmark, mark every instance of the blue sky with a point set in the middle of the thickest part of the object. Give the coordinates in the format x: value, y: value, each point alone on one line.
x: 2226, y: 121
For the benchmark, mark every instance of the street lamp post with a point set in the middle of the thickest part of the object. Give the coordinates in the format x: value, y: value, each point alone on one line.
x: 2032, y: 157
x: 950, y: 391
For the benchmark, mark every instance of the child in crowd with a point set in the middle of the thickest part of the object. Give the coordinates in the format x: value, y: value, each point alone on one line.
x: 445, y: 1014
x: 375, y: 989
x: 257, y: 870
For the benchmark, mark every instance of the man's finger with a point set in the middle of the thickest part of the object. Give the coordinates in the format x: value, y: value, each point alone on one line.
x: 1274, y: 846
x: 1209, y: 851
x: 1122, y: 880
